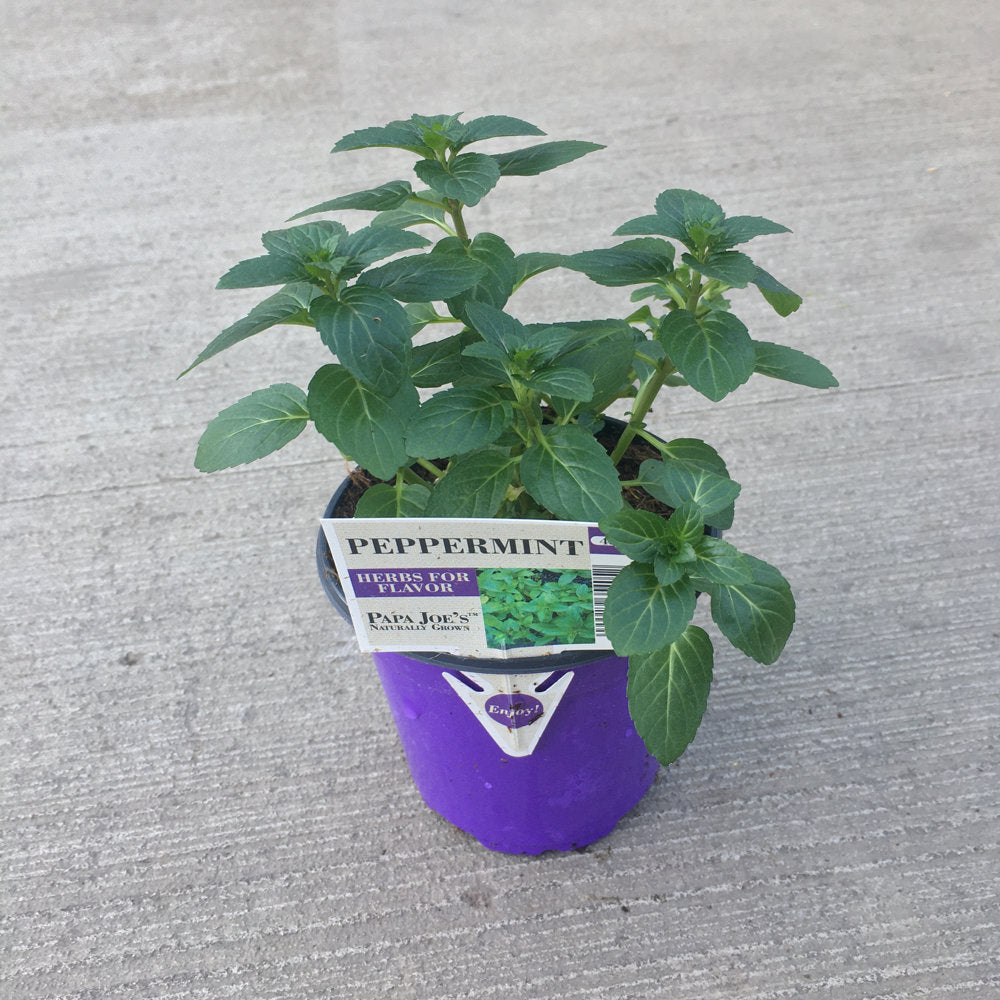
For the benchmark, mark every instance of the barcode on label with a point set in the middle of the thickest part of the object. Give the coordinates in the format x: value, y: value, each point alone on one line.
x: 602, y: 574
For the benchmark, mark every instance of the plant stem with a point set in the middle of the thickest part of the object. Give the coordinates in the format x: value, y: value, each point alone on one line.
x: 430, y: 467
x: 455, y: 211
x: 643, y: 401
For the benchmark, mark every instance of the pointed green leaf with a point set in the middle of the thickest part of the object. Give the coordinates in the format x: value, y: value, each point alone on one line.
x: 605, y: 349
x: 686, y: 526
x: 652, y: 225
x: 571, y: 475
x: 719, y: 562
x: 693, y: 451
x: 756, y: 617
x: 638, y: 534
x: 372, y: 243
x: 258, y: 424
x: 714, y: 353
x: 495, y: 126
x: 563, y: 380
x: 474, y: 486
x: 688, y: 215
x: 527, y: 265
x: 384, y: 500
x: 641, y: 614
x: 497, y: 327
x: 366, y: 426
x: 290, y: 305
x: 668, y: 691
x: 258, y: 272
x: 743, y: 228
x: 377, y: 199
x: 425, y: 208
x: 301, y: 243
x: 398, y: 134
x: 543, y: 156
x: 777, y: 361
x: 467, y: 178
x: 440, y: 361
x: 782, y: 300
x: 458, y: 420
x: 429, y: 277
x: 369, y: 332
x: 728, y: 266
x: 497, y: 283
x: 676, y: 482
x: 667, y: 570
x: 628, y: 263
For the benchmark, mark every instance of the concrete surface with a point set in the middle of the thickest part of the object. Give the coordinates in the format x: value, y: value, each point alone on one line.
x: 202, y: 793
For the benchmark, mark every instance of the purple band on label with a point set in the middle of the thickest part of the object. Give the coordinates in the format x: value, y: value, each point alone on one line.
x: 414, y: 582
x: 514, y: 710
x: 599, y: 544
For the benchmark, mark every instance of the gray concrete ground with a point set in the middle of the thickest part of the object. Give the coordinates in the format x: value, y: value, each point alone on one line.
x: 202, y: 792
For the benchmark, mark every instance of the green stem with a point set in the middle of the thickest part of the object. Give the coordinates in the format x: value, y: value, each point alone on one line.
x: 643, y: 401
x: 430, y: 467
x: 455, y: 211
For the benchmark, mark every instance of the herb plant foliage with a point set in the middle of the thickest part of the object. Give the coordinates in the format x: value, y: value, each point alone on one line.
x: 507, y: 421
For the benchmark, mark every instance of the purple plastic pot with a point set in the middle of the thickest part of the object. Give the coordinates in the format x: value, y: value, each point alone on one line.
x: 528, y: 755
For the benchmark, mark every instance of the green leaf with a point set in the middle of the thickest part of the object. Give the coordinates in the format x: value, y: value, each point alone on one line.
x: 369, y: 332
x: 372, y: 243
x: 719, y: 562
x: 497, y: 283
x: 429, y: 277
x: 693, y: 451
x: 571, y: 475
x: 563, y: 381
x: 398, y: 134
x: 302, y: 242
x: 686, y: 526
x: 628, y: 263
x: 423, y: 209
x: 541, y: 157
x: 668, y: 691
x: 366, y: 426
x: 743, y: 228
x: 605, y: 349
x: 652, y: 225
x: 458, y: 420
x: 677, y: 482
x: 728, y: 266
x: 258, y: 424
x: 641, y: 614
x: 667, y: 569
x: 494, y: 126
x: 384, y: 500
x: 290, y: 305
x: 377, y: 199
x: 467, y: 178
x: 440, y: 361
x: 474, y: 486
x: 688, y: 215
x: 714, y: 353
x: 777, y: 361
x: 756, y: 617
x: 782, y: 300
x: 496, y: 327
x: 258, y: 272
x: 527, y: 265
x: 638, y: 534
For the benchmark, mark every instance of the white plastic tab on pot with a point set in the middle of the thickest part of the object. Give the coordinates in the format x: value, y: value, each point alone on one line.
x: 513, y: 708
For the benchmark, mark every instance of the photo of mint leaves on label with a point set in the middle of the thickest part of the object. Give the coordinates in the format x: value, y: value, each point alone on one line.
x: 536, y: 607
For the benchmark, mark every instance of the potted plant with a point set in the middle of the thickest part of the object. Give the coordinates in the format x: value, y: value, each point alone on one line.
x: 500, y: 418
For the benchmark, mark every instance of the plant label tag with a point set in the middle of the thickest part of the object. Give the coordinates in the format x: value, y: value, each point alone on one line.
x: 474, y: 586
x: 513, y: 708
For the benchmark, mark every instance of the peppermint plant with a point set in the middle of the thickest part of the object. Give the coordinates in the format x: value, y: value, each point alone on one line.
x: 505, y: 424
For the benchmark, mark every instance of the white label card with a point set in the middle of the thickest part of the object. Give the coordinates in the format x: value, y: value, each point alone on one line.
x: 474, y: 586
